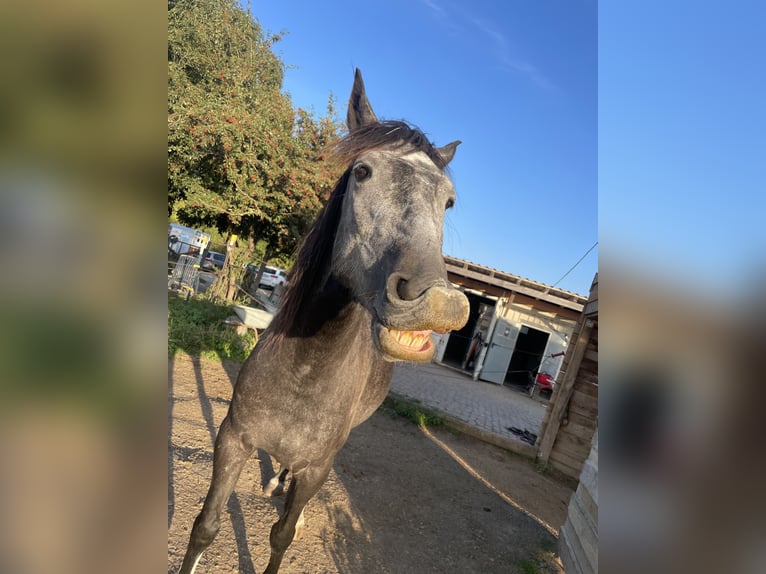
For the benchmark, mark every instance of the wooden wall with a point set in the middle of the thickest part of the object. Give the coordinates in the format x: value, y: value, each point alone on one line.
x: 578, y: 540
x: 572, y: 416
x: 580, y: 418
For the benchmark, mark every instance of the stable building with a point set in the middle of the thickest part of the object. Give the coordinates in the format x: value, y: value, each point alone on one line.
x: 516, y: 329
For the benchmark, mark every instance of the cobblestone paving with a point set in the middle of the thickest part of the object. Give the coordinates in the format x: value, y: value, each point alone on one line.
x: 490, y: 407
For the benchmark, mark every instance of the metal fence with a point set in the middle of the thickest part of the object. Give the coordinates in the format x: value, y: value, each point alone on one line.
x: 186, y: 276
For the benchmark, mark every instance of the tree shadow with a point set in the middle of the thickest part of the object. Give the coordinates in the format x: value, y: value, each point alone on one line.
x: 171, y: 466
x: 416, y: 509
x: 233, y: 505
x: 180, y: 452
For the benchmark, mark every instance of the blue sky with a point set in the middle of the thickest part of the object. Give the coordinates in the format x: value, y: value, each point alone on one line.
x: 516, y: 81
x: 640, y: 124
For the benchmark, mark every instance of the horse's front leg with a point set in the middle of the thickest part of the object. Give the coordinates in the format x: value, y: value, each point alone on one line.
x: 305, y: 484
x: 229, y: 457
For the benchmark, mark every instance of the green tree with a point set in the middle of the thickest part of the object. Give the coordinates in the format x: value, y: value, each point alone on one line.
x: 240, y: 158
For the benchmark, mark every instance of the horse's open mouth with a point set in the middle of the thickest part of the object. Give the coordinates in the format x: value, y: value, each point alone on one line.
x: 402, y: 328
x: 405, y: 345
x: 417, y: 341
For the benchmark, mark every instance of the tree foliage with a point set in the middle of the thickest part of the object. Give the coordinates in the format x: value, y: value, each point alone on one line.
x: 240, y: 157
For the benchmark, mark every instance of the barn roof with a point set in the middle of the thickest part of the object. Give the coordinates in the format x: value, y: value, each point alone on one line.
x: 501, y: 284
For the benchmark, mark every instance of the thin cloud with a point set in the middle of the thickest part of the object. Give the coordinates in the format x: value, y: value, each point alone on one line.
x: 435, y: 6
x: 503, y: 54
x: 442, y: 16
x: 456, y: 25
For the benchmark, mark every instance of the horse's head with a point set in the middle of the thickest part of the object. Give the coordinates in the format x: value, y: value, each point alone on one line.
x: 388, y: 244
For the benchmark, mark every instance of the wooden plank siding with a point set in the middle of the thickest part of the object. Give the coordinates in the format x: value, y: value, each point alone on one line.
x: 565, y: 463
x: 572, y: 417
x: 580, y: 418
x: 574, y: 448
x: 578, y: 537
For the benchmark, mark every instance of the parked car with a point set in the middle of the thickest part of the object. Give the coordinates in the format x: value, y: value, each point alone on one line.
x: 213, y: 259
x: 273, y: 276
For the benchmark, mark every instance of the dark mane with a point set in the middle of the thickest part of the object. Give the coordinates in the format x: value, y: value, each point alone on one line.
x: 310, y: 273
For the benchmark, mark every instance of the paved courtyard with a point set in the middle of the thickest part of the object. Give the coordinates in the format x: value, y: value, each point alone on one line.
x: 489, y: 407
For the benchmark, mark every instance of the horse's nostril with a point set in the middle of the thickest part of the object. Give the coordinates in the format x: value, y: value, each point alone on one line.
x: 411, y: 289
x: 401, y: 289
x: 406, y: 289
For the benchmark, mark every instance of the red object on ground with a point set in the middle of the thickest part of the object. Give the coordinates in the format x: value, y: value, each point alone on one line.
x: 544, y: 381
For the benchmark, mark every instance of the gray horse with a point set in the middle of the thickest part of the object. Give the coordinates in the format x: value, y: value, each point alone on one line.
x: 368, y: 287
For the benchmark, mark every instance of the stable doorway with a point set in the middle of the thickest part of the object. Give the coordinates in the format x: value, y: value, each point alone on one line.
x: 514, y: 354
x: 461, y: 349
x: 527, y: 355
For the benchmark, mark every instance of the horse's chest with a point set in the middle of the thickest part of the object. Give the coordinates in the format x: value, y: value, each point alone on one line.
x: 323, y: 401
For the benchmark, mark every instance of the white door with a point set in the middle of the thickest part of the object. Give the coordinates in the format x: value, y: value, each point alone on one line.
x: 440, y: 341
x: 499, y: 352
x: 553, y: 356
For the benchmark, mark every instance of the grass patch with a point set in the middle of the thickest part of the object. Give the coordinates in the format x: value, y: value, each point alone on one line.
x: 544, y: 560
x: 413, y: 411
x: 196, y: 327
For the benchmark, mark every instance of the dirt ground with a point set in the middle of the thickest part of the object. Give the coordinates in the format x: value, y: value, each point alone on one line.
x: 398, y: 500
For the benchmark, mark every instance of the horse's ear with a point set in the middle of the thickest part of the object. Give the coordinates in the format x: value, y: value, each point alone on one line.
x: 359, y: 109
x: 447, y: 152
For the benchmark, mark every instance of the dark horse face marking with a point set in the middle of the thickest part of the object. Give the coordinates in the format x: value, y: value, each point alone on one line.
x: 368, y: 287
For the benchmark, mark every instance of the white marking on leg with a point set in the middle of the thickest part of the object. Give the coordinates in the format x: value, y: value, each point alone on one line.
x: 300, y: 525
x: 271, y: 487
x: 194, y: 566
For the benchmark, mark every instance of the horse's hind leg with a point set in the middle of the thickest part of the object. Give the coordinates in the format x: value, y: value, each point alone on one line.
x: 305, y: 484
x: 277, y: 484
x: 229, y: 456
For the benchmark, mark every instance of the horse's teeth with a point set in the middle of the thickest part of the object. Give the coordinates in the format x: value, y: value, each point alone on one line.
x: 411, y: 339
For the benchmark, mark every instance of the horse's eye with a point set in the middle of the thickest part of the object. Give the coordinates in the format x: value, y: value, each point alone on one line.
x: 450, y: 203
x: 362, y: 172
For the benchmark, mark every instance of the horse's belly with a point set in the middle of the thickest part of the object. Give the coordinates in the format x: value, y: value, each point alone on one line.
x: 304, y: 414
x: 295, y: 432
x: 304, y: 442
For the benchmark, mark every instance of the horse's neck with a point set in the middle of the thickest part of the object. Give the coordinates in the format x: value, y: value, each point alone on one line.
x: 339, y: 321
x: 332, y: 321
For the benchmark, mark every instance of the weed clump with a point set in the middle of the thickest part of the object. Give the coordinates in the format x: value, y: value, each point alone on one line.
x: 412, y: 410
x: 196, y: 327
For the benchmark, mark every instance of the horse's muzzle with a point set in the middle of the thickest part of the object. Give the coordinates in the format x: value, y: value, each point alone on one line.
x: 403, y: 331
